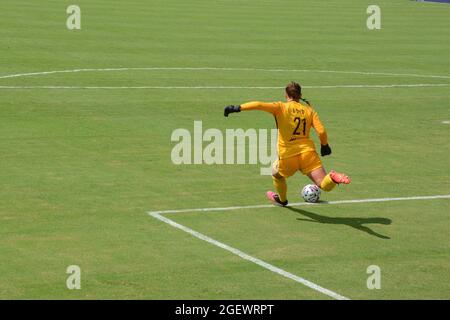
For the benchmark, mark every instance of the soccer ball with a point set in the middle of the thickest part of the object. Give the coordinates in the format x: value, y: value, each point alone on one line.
x: 311, y: 193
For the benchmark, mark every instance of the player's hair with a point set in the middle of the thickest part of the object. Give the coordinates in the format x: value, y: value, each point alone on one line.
x: 294, y: 91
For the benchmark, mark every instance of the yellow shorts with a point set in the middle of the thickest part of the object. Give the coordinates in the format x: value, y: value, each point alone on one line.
x: 305, y: 162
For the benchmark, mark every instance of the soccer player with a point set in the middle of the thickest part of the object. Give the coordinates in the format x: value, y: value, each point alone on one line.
x: 296, y: 151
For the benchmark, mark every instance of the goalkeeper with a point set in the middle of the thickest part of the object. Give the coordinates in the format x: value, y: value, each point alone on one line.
x: 296, y: 151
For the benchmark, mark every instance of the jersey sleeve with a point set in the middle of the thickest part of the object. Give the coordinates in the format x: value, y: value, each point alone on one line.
x: 320, y: 129
x: 271, y: 107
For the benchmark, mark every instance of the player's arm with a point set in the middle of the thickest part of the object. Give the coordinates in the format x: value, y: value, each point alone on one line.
x: 271, y: 107
x: 322, y: 133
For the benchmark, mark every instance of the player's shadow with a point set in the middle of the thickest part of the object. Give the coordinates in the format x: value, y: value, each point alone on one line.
x: 357, y: 223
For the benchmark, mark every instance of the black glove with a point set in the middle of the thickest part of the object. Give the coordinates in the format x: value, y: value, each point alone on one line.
x: 325, y: 150
x: 231, y: 109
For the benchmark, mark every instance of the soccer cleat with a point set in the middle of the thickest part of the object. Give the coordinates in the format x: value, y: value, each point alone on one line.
x: 339, y: 178
x: 275, y: 199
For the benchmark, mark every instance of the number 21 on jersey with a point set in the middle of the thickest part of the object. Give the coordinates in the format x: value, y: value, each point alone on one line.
x: 300, y: 128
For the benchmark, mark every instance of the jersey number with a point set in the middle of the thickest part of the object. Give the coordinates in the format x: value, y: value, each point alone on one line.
x: 299, y: 122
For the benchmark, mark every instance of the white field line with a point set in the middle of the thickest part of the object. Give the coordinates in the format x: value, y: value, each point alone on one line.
x: 223, y: 69
x: 224, y: 87
x: 446, y: 122
x: 243, y: 255
x: 247, y: 257
x: 297, y: 204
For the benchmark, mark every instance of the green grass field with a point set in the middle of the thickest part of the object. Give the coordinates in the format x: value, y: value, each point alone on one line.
x: 80, y: 168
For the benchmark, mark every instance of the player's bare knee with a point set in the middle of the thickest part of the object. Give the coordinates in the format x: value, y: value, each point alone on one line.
x: 318, y: 182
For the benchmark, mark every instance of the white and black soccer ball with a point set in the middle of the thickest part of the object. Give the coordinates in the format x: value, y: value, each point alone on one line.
x: 311, y: 193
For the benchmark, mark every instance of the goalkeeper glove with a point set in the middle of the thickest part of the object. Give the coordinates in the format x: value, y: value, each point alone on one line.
x: 325, y: 150
x: 231, y: 109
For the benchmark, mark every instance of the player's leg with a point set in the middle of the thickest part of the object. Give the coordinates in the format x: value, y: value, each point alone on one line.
x: 281, y: 170
x: 322, y: 179
x: 327, y: 182
x: 317, y: 175
x: 280, y: 198
x: 313, y: 168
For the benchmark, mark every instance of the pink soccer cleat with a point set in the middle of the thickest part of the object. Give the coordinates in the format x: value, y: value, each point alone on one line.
x: 339, y: 177
x: 275, y: 199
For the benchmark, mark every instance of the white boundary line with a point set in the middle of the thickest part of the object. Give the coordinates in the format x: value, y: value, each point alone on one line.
x: 297, y: 204
x: 243, y: 255
x: 446, y: 122
x: 222, y: 87
x: 247, y: 257
x: 352, y: 86
x: 223, y: 69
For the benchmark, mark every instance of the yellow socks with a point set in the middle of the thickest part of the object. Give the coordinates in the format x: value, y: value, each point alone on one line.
x: 281, y: 187
x: 327, y: 183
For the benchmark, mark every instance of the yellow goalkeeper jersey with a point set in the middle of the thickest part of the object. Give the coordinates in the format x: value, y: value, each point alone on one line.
x: 294, y: 121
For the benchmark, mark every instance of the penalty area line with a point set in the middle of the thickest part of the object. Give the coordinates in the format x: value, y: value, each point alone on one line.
x: 250, y: 258
x: 159, y: 215
x: 297, y: 204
